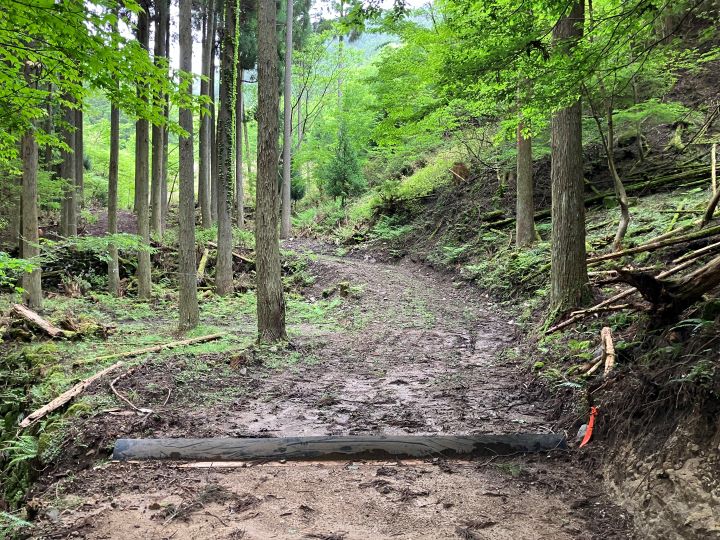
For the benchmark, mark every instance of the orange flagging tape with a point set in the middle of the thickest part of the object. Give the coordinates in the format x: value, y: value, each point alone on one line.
x: 591, y: 424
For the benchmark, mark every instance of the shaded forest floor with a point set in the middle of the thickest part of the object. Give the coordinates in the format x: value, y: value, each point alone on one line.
x: 377, y: 348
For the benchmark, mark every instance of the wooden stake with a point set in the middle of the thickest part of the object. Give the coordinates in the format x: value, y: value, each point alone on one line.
x: 608, y: 349
x: 202, y: 265
x: 713, y: 167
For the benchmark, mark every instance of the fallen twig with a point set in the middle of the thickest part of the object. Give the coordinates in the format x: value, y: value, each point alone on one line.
x: 122, y: 397
x: 158, y: 348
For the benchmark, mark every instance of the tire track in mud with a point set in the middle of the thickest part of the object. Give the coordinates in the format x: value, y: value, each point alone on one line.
x: 428, y: 360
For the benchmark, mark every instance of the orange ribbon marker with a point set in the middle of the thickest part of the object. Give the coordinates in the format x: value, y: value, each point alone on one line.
x: 591, y: 424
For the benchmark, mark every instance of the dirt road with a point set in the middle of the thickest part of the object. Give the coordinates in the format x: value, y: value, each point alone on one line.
x: 404, y: 351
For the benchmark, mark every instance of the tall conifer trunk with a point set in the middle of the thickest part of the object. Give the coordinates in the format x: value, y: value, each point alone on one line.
x: 287, y: 125
x: 525, y: 209
x: 113, y: 263
x: 270, y: 299
x: 158, y: 131
x: 204, y: 136
x: 142, y: 128
x: 79, y: 160
x: 223, y: 269
x: 187, y: 280
x: 31, y: 281
x: 568, y: 276
x: 68, y: 209
x: 239, y: 180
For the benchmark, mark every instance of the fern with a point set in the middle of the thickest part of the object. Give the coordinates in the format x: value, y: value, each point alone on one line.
x: 24, y: 448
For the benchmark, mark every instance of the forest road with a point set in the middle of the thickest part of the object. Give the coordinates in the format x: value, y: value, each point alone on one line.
x: 402, y: 350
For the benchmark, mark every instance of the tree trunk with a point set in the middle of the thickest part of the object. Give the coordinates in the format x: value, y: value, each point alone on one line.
x: 204, y: 151
x: 113, y: 263
x: 223, y: 267
x: 287, y: 124
x: 568, y: 278
x: 617, y: 183
x: 68, y: 215
x: 31, y: 282
x: 144, y: 279
x: 239, y: 181
x: 166, y: 137
x: 213, y: 178
x: 270, y: 300
x: 525, y: 233
x: 79, y: 161
x: 158, y: 132
x: 248, y: 159
x: 187, y: 281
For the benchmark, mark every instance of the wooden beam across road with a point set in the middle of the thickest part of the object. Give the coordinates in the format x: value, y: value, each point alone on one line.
x: 336, y: 447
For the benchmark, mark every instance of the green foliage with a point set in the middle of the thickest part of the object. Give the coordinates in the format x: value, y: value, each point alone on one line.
x: 11, y: 270
x: 11, y: 524
x: 342, y: 177
x: 387, y: 229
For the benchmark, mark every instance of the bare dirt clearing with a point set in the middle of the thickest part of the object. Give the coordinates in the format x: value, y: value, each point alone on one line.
x: 404, y: 350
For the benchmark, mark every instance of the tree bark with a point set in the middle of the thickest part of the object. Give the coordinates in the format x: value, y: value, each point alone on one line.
x: 166, y: 137
x: 213, y: 179
x: 617, y: 183
x: 223, y: 267
x: 239, y: 180
x: 287, y: 124
x: 187, y: 280
x: 68, y: 215
x: 158, y: 131
x: 113, y: 263
x: 79, y: 160
x: 144, y: 278
x: 270, y: 299
x: 204, y: 150
x: 525, y: 233
x: 31, y: 281
x: 568, y: 277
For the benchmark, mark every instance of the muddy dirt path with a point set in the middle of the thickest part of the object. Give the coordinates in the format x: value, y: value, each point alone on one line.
x: 406, y: 350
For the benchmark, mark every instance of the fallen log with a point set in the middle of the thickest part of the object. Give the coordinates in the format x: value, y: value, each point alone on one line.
x: 580, y: 315
x: 29, y: 316
x: 235, y: 254
x: 66, y: 396
x: 656, y: 245
x: 335, y: 447
x: 158, y: 348
x: 671, y: 297
x: 697, y: 253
